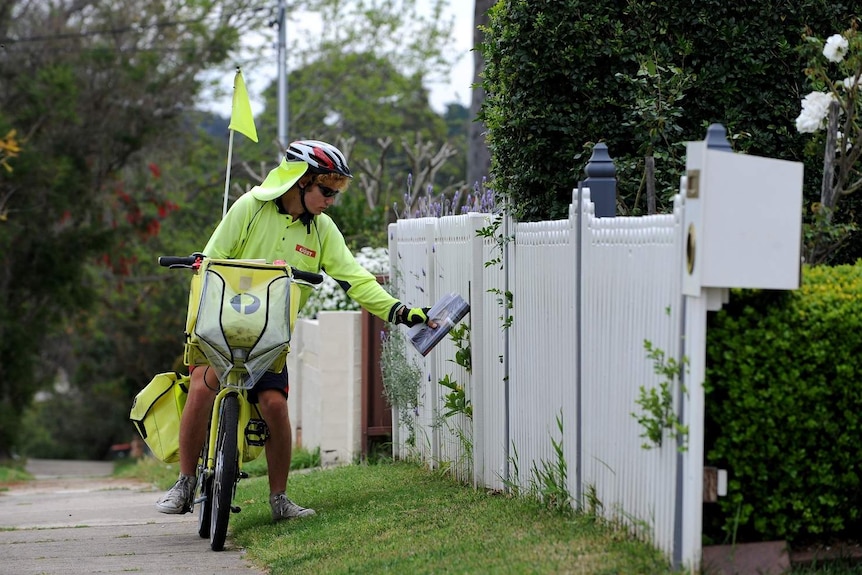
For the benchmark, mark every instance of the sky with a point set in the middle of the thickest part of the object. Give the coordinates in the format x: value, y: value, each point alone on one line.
x: 258, y: 75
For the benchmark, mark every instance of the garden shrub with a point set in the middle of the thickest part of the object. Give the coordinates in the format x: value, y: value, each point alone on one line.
x: 784, y: 410
x: 560, y: 76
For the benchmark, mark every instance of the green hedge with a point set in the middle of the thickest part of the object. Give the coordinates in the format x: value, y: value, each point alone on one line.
x: 558, y: 79
x: 784, y: 410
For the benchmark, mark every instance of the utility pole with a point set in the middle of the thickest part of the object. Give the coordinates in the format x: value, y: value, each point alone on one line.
x: 282, y: 77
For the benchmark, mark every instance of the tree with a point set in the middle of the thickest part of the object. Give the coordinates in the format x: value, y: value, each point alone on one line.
x: 86, y: 85
x: 738, y: 60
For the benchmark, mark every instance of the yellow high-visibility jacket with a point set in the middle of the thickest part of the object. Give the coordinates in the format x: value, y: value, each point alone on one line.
x: 255, y: 229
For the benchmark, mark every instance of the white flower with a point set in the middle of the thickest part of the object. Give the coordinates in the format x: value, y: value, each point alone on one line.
x: 375, y: 260
x: 836, y: 48
x: 815, y: 107
x: 851, y: 81
x: 842, y: 144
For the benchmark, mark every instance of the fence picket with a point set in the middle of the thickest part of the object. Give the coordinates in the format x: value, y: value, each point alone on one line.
x: 630, y: 291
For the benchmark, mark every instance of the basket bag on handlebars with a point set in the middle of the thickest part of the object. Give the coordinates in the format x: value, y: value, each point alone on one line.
x: 240, y: 316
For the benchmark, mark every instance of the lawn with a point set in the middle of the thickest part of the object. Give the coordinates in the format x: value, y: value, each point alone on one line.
x: 402, y: 518
x: 398, y: 517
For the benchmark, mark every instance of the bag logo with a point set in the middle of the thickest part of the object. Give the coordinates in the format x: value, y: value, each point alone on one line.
x: 305, y: 251
x: 245, y: 303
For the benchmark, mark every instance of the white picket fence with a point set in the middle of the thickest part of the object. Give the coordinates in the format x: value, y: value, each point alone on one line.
x: 561, y: 383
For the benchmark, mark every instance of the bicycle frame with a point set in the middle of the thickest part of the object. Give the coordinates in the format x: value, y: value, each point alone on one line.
x: 244, y: 415
x: 251, y: 345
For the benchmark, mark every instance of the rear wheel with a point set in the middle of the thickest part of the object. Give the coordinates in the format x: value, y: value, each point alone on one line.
x: 226, y: 470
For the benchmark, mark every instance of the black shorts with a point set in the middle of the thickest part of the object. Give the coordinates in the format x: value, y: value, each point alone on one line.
x: 269, y: 380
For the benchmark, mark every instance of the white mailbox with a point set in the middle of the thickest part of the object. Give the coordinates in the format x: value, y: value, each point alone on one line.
x: 742, y: 221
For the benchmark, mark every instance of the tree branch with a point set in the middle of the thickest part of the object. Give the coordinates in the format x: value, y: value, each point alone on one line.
x: 828, y: 195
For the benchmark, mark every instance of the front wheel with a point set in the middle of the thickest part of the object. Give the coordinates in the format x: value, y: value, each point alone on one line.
x: 226, y: 470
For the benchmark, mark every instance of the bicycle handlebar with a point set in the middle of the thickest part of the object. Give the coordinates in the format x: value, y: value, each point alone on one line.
x: 307, y: 277
x: 189, y: 262
x: 178, y: 261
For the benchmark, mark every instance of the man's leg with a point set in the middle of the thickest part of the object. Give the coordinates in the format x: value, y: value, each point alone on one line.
x: 279, y: 449
x: 279, y: 446
x: 196, y: 416
x: 193, y: 429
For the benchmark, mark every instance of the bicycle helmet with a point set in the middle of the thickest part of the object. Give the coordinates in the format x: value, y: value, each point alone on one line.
x: 322, y: 158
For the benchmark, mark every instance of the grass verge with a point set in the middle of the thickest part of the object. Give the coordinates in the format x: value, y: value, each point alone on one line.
x: 12, y: 472
x: 163, y: 475
x: 401, y: 518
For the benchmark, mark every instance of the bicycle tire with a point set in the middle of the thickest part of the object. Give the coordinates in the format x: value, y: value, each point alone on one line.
x: 226, y: 470
x: 204, y: 495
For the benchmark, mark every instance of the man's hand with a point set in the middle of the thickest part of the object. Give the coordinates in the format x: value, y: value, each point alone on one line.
x: 412, y: 316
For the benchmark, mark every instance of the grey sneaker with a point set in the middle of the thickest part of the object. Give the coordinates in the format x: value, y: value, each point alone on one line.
x: 180, y: 497
x: 284, y: 508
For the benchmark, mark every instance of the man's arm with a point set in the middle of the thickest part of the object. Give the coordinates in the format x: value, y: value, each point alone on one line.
x: 361, y: 286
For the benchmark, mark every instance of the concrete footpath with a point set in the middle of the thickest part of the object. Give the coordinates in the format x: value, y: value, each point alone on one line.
x: 75, y: 519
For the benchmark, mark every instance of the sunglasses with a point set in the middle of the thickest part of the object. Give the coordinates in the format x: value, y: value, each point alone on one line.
x: 327, y: 192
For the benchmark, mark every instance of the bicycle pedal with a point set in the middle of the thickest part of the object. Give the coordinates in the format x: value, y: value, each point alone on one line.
x: 200, y: 499
x: 235, y: 509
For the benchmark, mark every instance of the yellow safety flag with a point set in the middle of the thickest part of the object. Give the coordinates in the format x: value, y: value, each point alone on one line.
x: 241, y: 119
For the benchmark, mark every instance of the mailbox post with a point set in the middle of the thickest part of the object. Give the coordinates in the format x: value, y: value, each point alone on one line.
x: 742, y: 228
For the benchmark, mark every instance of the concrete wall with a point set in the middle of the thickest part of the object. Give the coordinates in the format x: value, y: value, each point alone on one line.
x: 324, y: 367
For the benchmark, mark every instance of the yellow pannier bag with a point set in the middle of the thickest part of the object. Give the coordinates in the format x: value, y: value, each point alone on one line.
x: 241, y: 313
x: 156, y: 413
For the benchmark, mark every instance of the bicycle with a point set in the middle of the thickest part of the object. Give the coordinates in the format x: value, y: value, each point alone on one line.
x: 240, y: 316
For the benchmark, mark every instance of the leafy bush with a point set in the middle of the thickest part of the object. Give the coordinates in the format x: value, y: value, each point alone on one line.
x: 784, y: 409
x: 561, y: 76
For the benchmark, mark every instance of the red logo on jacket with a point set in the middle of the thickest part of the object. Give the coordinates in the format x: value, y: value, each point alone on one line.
x: 305, y: 251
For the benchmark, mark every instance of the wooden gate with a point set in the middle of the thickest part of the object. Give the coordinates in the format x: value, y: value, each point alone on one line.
x: 376, y: 413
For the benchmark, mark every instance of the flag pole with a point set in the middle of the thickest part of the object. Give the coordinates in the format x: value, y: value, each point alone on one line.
x: 229, y: 148
x: 242, y: 121
x: 227, y: 173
